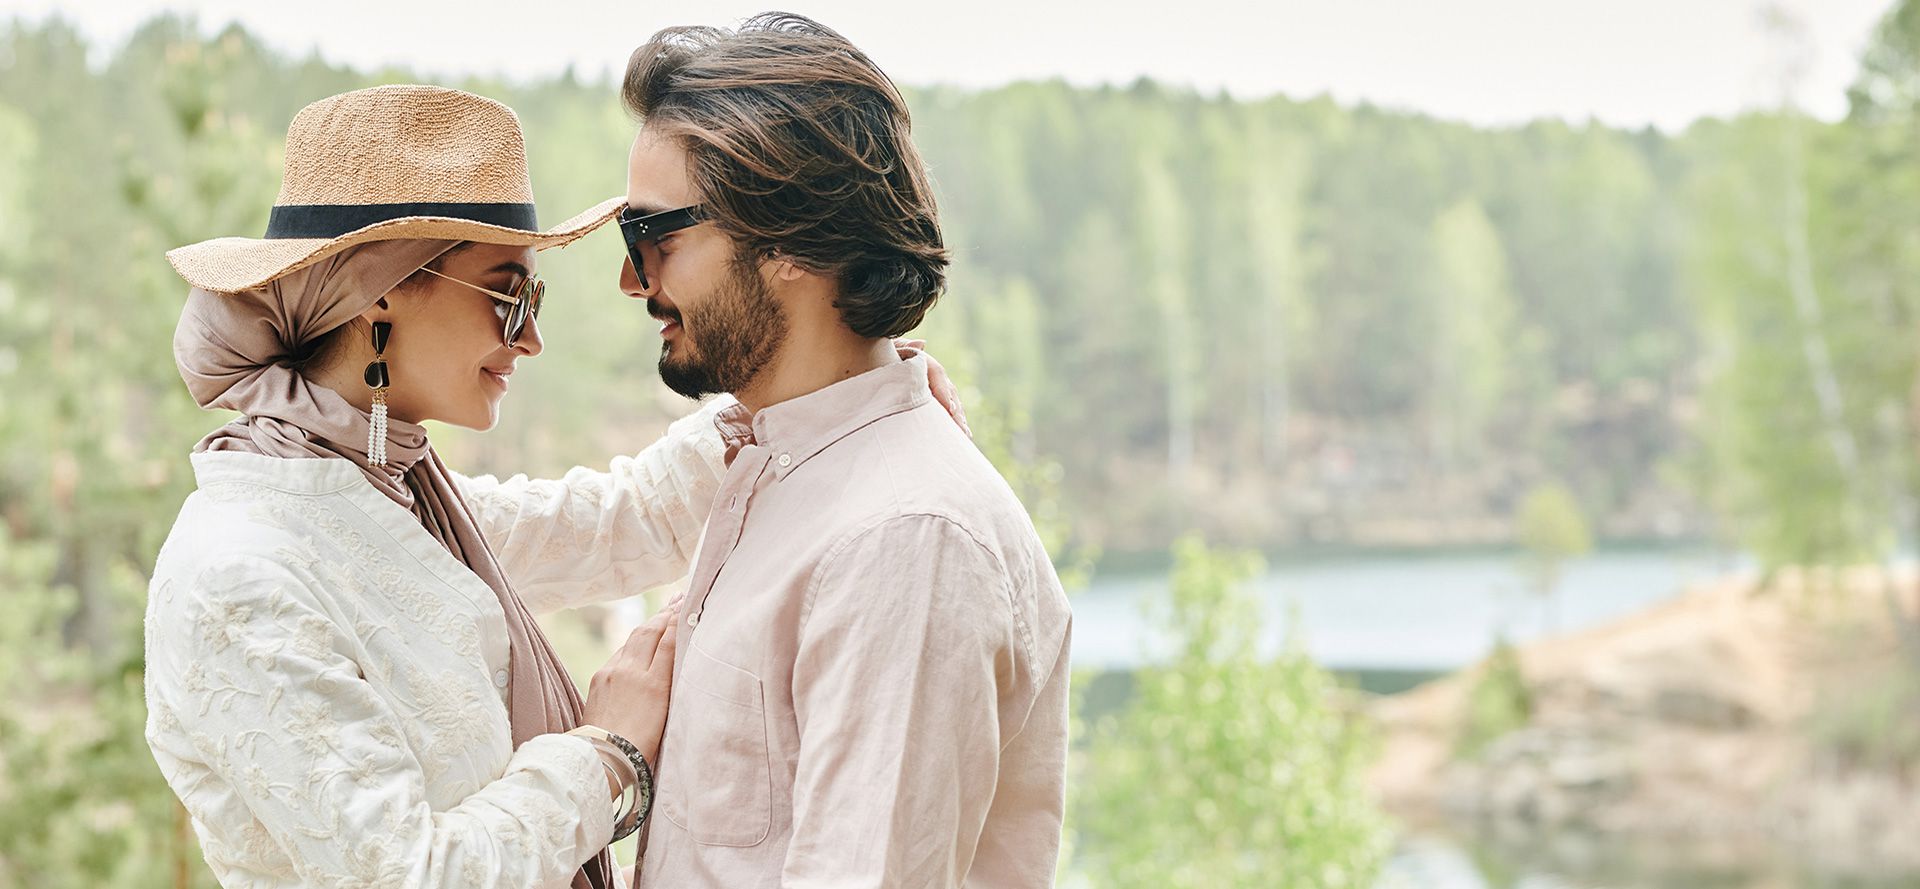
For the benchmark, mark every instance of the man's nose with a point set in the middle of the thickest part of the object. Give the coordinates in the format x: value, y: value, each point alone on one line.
x: 630, y: 282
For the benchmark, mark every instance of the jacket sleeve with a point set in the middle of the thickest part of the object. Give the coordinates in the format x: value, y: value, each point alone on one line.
x: 593, y: 535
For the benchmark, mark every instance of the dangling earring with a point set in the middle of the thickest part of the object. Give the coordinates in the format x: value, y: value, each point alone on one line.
x: 376, y: 377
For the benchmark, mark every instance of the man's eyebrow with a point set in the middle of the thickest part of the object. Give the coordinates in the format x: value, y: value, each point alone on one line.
x: 511, y: 266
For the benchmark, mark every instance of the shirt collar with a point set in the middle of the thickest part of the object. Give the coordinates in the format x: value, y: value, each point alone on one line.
x: 295, y: 475
x: 735, y: 423
x: 796, y: 429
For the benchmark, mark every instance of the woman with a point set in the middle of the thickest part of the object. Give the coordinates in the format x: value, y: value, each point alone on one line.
x: 344, y: 685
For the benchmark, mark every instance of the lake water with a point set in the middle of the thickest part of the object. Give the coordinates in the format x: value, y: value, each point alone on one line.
x: 1420, y: 613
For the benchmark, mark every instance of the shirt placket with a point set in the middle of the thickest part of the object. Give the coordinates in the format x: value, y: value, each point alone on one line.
x: 724, y: 526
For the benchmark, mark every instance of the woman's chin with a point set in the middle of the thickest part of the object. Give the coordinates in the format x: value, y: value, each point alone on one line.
x: 480, y: 419
x: 486, y: 420
x: 490, y: 417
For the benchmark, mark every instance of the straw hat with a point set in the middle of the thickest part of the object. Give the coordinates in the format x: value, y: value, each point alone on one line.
x: 386, y: 163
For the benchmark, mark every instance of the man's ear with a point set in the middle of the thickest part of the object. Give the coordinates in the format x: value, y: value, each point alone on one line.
x: 791, y: 280
x: 786, y: 269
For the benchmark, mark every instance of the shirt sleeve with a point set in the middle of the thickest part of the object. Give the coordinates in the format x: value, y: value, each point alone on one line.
x: 594, y: 535
x: 897, y: 695
x: 263, y: 724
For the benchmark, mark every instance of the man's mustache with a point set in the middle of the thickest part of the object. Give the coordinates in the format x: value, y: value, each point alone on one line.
x: 661, y: 312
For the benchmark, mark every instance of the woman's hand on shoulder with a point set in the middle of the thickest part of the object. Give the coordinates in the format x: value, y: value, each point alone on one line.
x: 944, y: 391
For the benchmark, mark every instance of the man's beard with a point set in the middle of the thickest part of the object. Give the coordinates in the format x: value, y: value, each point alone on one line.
x: 733, y: 335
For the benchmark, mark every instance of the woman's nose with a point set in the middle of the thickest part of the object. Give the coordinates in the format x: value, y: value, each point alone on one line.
x: 530, y: 343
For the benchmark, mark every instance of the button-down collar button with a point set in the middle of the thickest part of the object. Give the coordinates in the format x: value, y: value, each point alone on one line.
x: 500, y: 678
x: 693, y: 620
x: 786, y: 460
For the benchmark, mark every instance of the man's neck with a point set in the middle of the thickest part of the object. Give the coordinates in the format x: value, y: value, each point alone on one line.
x: 806, y: 364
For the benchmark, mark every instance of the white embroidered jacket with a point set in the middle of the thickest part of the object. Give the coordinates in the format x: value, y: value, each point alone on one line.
x: 325, y: 682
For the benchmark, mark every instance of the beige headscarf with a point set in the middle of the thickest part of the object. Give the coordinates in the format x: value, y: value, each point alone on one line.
x: 231, y: 349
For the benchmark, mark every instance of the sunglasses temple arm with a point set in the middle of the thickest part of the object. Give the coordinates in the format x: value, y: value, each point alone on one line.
x: 503, y: 297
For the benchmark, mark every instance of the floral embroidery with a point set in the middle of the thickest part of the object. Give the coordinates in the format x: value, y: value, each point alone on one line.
x: 164, y: 720
x: 386, y: 735
x: 447, y: 701
x: 256, y: 847
x: 262, y: 785
x: 312, y: 728
x: 313, y: 637
x: 215, y: 687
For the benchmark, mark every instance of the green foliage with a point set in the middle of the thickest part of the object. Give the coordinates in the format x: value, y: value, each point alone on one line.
x: 1806, y: 279
x: 1887, y: 88
x: 81, y: 802
x: 1804, y: 424
x: 1498, y: 703
x: 1474, y: 334
x: 1238, y: 299
x: 98, y: 175
x: 1228, y: 768
x: 1551, y: 529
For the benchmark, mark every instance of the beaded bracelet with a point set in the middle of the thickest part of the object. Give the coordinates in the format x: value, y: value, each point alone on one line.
x: 643, y: 785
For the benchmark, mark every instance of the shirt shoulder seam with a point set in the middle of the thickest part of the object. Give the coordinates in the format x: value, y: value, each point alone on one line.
x: 874, y: 523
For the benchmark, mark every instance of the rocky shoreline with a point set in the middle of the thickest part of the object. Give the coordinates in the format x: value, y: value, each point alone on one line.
x: 1696, y: 722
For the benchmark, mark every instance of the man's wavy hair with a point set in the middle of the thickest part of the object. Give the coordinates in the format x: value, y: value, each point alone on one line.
x: 801, y: 146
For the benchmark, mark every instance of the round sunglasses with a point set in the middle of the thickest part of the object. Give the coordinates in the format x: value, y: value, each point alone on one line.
x: 523, y: 303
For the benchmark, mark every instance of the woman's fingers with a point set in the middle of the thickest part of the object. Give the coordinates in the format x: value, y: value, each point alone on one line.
x: 664, y: 648
x: 646, y: 637
x: 629, y: 695
x: 946, y: 393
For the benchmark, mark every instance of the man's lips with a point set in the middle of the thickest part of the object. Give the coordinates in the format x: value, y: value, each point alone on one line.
x: 669, y: 318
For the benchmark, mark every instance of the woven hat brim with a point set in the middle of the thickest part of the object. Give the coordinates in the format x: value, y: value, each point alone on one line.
x: 231, y: 265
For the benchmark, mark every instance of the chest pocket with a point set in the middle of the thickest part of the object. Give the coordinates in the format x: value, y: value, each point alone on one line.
x: 725, y: 787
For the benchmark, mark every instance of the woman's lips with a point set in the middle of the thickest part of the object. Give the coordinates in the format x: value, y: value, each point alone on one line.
x: 497, y: 376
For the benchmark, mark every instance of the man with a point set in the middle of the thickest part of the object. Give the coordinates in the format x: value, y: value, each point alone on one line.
x: 872, y: 690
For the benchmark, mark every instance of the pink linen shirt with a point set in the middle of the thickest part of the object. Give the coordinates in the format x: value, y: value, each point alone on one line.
x: 871, y: 682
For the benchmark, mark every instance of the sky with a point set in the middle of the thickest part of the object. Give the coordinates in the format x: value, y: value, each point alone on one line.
x: 1629, y: 63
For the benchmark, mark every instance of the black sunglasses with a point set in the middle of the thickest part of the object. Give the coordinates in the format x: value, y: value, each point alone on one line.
x: 640, y: 230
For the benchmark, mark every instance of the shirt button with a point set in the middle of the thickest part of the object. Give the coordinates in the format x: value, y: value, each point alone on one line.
x: 693, y: 620
x: 500, y: 679
x: 786, y: 460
